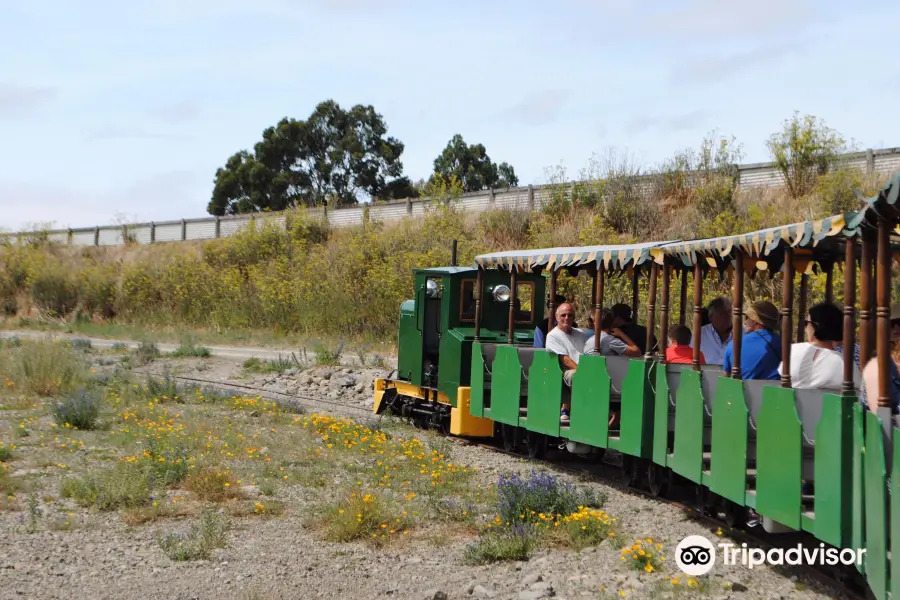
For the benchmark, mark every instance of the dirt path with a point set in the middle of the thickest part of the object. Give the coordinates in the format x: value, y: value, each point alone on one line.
x: 232, y: 352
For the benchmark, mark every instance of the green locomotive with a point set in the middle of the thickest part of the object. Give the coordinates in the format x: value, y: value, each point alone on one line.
x: 804, y: 460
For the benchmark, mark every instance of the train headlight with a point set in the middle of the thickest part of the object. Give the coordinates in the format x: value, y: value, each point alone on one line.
x: 431, y: 288
x: 501, y: 293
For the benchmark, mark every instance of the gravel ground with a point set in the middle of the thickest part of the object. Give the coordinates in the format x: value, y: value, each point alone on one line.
x: 280, y: 557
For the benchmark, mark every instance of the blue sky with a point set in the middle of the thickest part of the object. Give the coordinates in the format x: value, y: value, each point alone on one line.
x: 112, y: 110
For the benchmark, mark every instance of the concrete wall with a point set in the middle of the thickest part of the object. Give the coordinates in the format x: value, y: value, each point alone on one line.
x: 758, y: 175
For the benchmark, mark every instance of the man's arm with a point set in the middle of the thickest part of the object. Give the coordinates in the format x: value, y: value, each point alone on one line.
x: 555, y: 346
x: 631, y: 348
x: 567, y: 361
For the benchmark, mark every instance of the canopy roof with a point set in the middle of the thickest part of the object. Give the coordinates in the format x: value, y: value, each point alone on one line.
x: 805, y: 234
x: 886, y: 202
x: 819, y: 240
x: 611, y: 257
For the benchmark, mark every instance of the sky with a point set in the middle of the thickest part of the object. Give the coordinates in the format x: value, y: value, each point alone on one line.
x: 116, y: 112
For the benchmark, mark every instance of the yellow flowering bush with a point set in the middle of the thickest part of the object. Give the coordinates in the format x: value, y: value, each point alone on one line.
x: 364, y: 516
x: 644, y: 555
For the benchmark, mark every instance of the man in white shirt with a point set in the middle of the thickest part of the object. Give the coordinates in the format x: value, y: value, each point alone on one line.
x: 716, y: 336
x: 568, y: 342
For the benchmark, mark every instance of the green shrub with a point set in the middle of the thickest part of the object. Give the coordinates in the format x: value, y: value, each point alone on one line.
x: 516, y: 543
x: 44, y: 368
x: 207, y: 534
x: 123, y: 486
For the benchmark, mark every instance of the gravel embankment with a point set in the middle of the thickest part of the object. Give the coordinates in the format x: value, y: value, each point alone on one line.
x: 280, y: 557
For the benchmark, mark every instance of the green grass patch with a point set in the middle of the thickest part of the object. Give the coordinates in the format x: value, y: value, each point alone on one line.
x: 207, y: 534
x: 126, y: 485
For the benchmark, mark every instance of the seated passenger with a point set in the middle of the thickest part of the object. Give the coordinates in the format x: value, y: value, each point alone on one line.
x: 638, y: 333
x: 815, y: 364
x: 613, y: 341
x: 868, y: 395
x: 540, y: 332
x: 760, y: 345
x: 568, y: 342
x: 716, y: 335
x: 679, y: 350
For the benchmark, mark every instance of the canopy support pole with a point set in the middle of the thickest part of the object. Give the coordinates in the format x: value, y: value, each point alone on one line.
x: 737, y: 315
x: 698, y: 315
x: 883, y: 339
x: 551, y: 306
x: 848, y: 389
x: 479, y: 288
x: 664, y: 313
x: 599, y: 278
x: 512, y: 306
x: 866, y: 324
x: 787, y: 311
x: 801, y: 310
x: 651, y: 309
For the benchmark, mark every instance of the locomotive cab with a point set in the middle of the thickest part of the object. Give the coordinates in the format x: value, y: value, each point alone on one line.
x: 437, y: 328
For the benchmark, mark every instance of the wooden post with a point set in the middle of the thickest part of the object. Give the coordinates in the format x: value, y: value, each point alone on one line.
x: 698, y: 315
x: 651, y: 309
x: 551, y: 306
x: 866, y: 331
x: 737, y: 315
x: 801, y: 309
x: 96, y: 236
x: 183, y: 230
x: 598, y: 304
x: 512, y: 306
x: 153, y: 232
x: 664, y: 312
x: 682, y: 300
x: 848, y: 389
x: 787, y: 310
x: 218, y: 227
x: 883, y: 333
x: 479, y: 285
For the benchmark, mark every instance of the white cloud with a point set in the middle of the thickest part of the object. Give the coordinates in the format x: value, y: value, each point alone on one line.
x: 539, y: 107
x: 18, y: 99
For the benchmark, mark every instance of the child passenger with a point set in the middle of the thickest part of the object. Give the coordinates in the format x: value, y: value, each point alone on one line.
x: 679, y: 349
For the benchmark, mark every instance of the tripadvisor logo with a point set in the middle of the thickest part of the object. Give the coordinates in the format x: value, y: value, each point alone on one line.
x: 695, y: 555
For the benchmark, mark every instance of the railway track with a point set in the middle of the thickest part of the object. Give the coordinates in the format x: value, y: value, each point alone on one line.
x: 844, y: 579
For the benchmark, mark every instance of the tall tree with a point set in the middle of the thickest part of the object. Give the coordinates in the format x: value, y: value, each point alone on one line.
x: 472, y: 166
x: 336, y: 156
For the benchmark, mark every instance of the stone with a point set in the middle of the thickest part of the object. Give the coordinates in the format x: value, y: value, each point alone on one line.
x: 534, y: 595
x: 738, y: 587
x: 532, y: 579
x: 439, y: 596
x: 543, y: 586
x: 479, y: 591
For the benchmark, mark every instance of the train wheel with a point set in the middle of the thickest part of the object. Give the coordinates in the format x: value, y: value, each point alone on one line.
x: 701, y: 499
x: 659, y: 479
x: 735, y: 514
x: 629, y: 474
x: 510, y: 437
x: 536, y: 444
